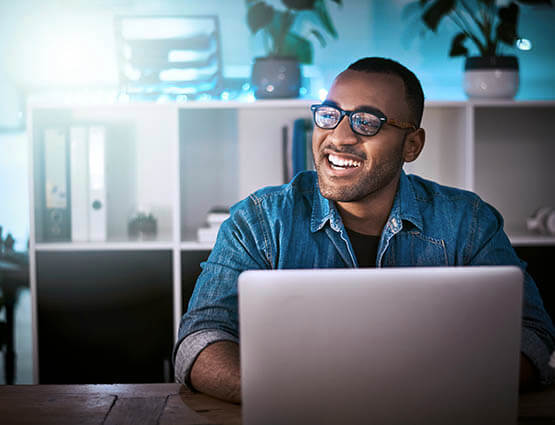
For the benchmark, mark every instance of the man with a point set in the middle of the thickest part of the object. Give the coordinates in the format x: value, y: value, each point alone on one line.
x: 358, y: 210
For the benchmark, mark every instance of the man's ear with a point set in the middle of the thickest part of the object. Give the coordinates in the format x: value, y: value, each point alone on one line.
x: 414, y: 142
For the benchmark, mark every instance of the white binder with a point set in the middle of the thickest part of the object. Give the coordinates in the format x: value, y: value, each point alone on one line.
x: 79, y: 169
x: 97, y: 183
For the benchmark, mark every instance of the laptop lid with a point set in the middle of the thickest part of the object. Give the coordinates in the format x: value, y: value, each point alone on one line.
x: 381, y: 346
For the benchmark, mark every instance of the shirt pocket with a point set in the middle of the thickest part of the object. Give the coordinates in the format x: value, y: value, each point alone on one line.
x: 416, y: 249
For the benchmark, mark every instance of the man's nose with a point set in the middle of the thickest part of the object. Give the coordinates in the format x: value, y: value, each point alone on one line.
x: 343, y: 134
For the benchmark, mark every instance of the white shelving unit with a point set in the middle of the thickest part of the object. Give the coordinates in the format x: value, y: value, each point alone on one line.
x: 180, y: 160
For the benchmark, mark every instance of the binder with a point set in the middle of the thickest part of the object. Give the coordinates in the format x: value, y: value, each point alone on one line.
x: 56, y: 182
x: 79, y: 178
x: 97, y: 184
x: 301, y: 151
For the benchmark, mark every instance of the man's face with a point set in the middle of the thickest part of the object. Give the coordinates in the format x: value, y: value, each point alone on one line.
x: 351, y: 167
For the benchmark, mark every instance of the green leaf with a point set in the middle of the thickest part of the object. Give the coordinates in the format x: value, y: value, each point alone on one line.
x: 323, y: 16
x: 433, y: 15
x: 259, y: 16
x: 278, y: 28
x: 457, y: 46
x: 506, y: 29
x: 299, y: 4
x: 319, y: 36
x: 297, y: 46
x: 536, y: 2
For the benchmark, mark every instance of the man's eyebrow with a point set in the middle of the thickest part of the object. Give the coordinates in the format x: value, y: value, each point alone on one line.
x: 330, y: 103
x: 364, y: 108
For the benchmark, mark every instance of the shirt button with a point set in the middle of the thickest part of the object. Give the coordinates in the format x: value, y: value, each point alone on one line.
x: 394, y: 222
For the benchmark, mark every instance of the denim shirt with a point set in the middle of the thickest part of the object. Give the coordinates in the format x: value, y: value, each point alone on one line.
x: 294, y: 226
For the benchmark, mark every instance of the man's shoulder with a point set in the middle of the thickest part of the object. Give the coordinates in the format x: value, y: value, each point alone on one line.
x: 432, y: 192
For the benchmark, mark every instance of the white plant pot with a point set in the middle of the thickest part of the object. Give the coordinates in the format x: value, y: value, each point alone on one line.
x: 491, y: 77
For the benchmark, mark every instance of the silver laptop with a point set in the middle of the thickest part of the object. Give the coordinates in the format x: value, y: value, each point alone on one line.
x: 380, y: 346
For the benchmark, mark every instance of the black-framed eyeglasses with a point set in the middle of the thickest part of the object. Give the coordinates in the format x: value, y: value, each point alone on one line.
x: 366, y: 121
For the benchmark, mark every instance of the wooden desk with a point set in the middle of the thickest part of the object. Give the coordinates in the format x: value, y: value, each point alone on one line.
x: 163, y: 404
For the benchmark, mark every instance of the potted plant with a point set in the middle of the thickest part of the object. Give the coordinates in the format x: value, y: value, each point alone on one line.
x: 278, y: 75
x: 488, y: 26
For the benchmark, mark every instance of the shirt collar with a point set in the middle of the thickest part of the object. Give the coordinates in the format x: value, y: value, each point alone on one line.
x: 405, y: 207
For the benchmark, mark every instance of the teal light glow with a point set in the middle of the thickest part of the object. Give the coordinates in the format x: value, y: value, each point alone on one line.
x: 524, y: 44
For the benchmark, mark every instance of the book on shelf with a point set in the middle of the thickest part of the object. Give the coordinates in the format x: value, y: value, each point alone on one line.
x: 215, y: 217
x: 297, y: 150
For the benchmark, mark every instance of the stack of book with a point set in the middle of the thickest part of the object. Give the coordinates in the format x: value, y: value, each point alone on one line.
x: 215, y: 217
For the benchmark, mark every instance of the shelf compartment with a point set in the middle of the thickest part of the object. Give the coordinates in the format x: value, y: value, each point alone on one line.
x: 514, y: 160
x: 139, y: 144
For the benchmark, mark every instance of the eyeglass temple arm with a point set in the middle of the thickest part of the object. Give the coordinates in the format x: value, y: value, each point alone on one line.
x: 401, y: 124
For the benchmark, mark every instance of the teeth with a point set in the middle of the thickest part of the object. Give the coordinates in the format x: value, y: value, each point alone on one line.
x: 340, y: 162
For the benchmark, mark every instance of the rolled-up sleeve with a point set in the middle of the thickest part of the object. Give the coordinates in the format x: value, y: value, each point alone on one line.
x: 191, y: 346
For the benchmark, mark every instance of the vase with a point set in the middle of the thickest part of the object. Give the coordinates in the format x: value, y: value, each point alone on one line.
x: 491, y: 77
x: 276, y: 77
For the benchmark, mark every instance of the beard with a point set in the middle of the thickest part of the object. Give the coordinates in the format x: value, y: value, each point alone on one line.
x: 369, y: 181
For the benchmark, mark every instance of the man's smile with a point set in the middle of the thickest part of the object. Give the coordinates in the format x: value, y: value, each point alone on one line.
x: 339, y: 162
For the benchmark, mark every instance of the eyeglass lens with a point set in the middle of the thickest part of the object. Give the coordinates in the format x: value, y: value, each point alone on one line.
x: 365, y: 123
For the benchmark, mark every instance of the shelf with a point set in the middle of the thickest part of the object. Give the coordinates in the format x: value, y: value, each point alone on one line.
x: 511, y: 103
x: 104, y: 246
x: 196, y: 246
x: 524, y: 238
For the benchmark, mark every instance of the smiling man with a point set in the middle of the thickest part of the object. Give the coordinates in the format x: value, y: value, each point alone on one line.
x: 358, y: 210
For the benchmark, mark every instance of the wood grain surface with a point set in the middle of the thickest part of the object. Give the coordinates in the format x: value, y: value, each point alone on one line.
x: 162, y: 404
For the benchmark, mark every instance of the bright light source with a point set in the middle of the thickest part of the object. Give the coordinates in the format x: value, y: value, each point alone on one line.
x: 322, y: 94
x: 303, y: 91
x: 188, y: 74
x: 184, y: 56
x: 225, y: 95
x: 524, y: 44
x: 132, y: 73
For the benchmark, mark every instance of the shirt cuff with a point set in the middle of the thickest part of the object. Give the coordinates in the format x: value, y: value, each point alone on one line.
x: 534, y: 348
x: 191, y: 346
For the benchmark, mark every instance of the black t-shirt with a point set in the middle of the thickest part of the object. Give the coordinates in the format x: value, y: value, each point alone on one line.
x: 366, y: 248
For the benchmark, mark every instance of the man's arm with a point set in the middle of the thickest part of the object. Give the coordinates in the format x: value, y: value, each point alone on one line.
x: 491, y: 246
x: 216, y: 371
x: 211, y: 321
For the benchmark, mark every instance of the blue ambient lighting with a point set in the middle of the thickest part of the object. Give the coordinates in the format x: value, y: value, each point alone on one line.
x: 524, y: 44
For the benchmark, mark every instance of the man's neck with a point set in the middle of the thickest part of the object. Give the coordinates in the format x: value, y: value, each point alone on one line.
x: 369, y: 215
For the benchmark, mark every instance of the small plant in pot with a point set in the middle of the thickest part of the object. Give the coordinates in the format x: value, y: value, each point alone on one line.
x: 489, y: 27
x: 278, y: 74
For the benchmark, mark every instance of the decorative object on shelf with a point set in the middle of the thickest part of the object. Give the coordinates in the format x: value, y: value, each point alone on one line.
x: 488, y: 26
x: 168, y: 56
x: 142, y: 225
x: 215, y: 217
x: 542, y: 221
x: 278, y: 74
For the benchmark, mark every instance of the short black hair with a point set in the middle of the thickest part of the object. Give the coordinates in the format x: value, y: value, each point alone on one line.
x: 413, y: 89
